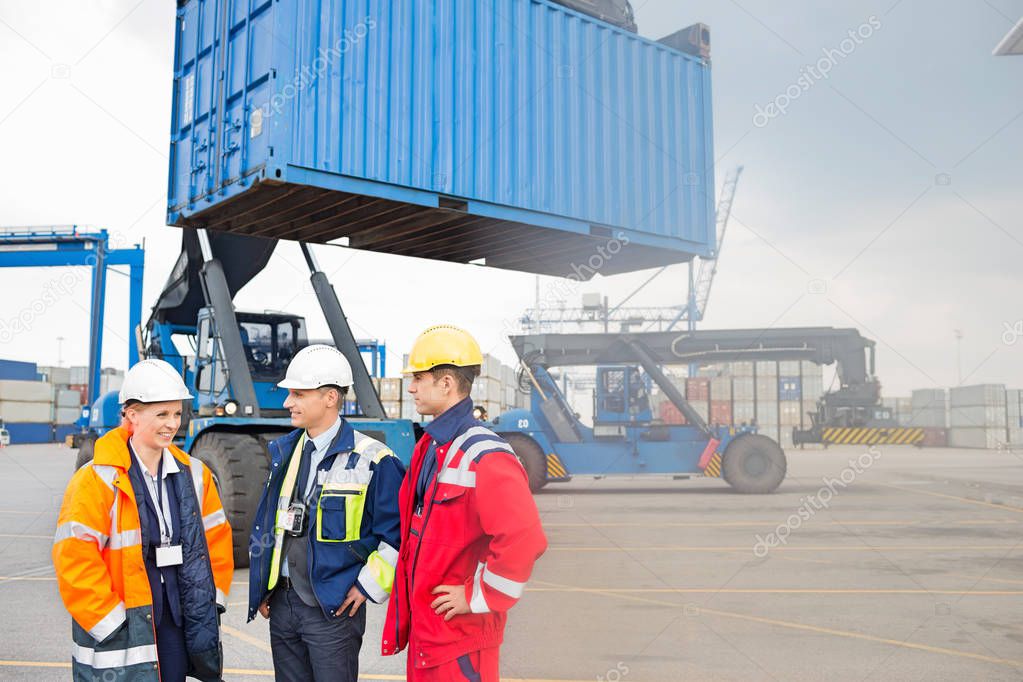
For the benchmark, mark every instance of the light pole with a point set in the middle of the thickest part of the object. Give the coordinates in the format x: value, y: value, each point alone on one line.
x: 959, y: 354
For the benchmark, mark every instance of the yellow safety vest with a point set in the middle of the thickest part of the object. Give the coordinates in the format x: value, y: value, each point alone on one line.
x: 339, y: 482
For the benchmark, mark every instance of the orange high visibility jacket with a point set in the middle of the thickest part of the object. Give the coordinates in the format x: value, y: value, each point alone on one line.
x: 101, y: 574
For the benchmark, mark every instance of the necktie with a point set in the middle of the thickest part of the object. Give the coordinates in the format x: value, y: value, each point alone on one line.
x: 303, y: 470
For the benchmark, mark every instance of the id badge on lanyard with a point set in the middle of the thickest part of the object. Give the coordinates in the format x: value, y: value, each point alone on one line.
x: 166, y: 554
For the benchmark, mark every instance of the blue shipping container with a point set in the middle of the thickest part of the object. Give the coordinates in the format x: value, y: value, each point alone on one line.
x: 14, y: 370
x: 518, y: 131
x: 789, y: 388
x: 26, y: 433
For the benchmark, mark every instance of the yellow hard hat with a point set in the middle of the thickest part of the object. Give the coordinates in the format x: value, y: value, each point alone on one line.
x: 443, y: 344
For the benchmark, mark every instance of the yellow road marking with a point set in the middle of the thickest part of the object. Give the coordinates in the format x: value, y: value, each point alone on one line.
x: 265, y: 673
x: 248, y: 639
x: 757, y: 524
x: 848, y: 634
x: 981, y: 503
x: 984, y: 577
x: 813, y: 548
x: 784, y: 590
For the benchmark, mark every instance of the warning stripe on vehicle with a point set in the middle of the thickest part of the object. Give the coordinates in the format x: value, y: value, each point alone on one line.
x: 872, y: 435
x: 555, y: 469
x: 713, y: 469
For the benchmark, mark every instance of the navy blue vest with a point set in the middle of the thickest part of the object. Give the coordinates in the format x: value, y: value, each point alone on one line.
x: 150, y: 523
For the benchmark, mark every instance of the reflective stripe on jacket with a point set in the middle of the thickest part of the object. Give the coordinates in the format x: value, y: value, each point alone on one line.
x: 101, y: 574
x: 353, y: 535
x: 479, y: 528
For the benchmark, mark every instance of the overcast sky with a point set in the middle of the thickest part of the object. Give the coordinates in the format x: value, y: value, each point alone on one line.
x: 886, y: 197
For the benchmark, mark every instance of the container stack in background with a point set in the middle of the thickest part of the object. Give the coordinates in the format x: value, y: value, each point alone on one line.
x: 26, y: 405
x: 775, y: 395
x: 977, y: 416
x: 495, y: 390
x: 1014, y: 416
x: 41, y: 404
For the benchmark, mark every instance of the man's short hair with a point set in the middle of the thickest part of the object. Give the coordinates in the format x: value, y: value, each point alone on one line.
x: 463, y: 376
x: 342, y: 391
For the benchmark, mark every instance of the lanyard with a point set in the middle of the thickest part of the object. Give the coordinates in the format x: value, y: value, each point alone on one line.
x: 164, y: 522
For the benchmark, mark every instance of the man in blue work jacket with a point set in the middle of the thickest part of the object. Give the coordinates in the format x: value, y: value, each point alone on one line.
x: 326, y: 533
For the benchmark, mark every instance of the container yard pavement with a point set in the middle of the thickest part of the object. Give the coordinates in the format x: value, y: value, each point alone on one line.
x: 904, y: 564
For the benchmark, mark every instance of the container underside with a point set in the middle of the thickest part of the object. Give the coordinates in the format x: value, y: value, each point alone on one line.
x: 314, y: 214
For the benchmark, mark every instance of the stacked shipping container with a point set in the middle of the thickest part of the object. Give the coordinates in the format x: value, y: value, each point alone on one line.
x: 40, y: 404
x: 978, y: 416
x: 776, y: 395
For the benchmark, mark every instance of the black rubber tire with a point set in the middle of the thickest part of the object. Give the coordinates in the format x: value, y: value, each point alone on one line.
x: 85, y: 452
x: 754, y: 464
x: 241, y: 464
x: 531, y: 455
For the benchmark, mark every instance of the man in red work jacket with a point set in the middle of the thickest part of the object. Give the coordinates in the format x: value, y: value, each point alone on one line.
x: 470, y: 531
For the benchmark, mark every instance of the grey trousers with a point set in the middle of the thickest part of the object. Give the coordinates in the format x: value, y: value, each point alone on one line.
x: 309, y: 647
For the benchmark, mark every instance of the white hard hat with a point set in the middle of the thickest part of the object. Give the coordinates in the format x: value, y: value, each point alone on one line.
x: 153, y: 381
x: 318, y: 365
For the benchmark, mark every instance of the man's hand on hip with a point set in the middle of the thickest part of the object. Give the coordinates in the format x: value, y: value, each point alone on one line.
x: 355, y: 599
x: 451, y: 601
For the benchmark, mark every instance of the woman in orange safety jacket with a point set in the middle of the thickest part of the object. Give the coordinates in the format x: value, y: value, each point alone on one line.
x: 143, y: 549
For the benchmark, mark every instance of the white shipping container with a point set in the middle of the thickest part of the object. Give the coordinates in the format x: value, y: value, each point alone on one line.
x: 977, y: 416
x: 928, y: 417
x: 928, y: 398
x: 492, y: 407
x: 1014, y: 401
x: 1016, y: 436
x: 789, y: 411
x: 767, y: 411
x: 771, y: 430
x: 491, y: 367
x: 507, y: 375
x: 68, y: 398
x: 767, y: 389
x: 60, y: 376
x: 743, y: 389
x: 30, y: 412
x: 721, y: 388
x: 813, y: 387
x: 67, y: 415
x: 390, y: 389
x: 408, y: 410
x: 509, y: 396
x: 986, y: 439
x: 743, y: 368
x: 980, y: 394
x: 109, y: 383
x: 78, y: 375
x: 767, y: 368
x: 490, y: 389
x: 25, y: 392
x: 702, y: 408
x: 788, y: 368
x: 743, y: 411
x: 392, y: 409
